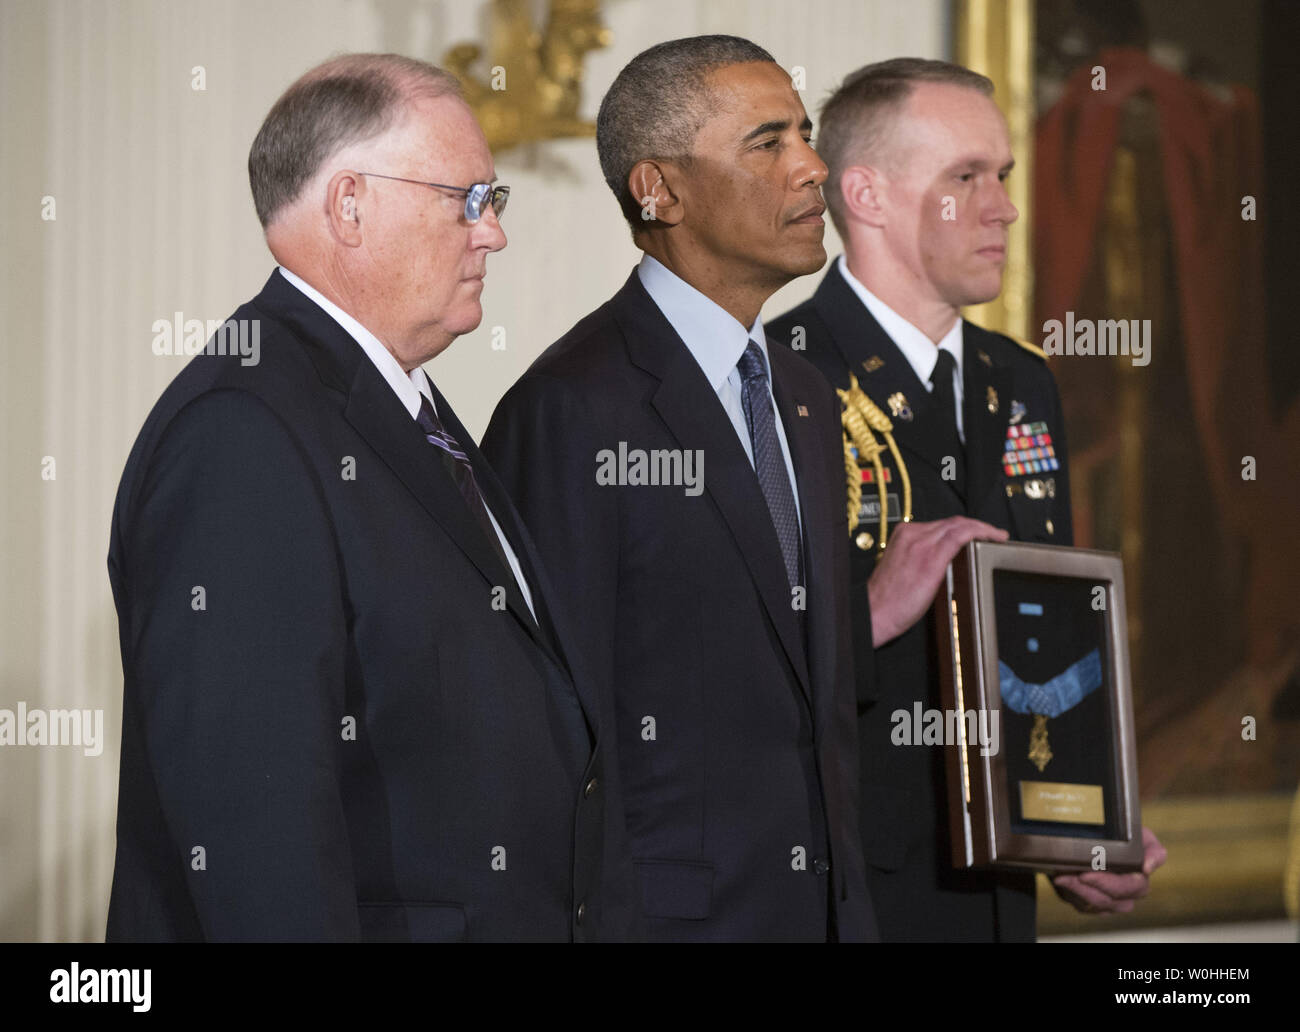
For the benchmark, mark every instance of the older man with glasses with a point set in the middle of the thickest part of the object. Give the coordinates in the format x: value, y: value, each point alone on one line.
x: 351, y: 707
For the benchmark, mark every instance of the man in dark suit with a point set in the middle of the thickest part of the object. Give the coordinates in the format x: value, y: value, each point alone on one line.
x: 352, y: 710
x: 681, y: 480
x: 918, y: 152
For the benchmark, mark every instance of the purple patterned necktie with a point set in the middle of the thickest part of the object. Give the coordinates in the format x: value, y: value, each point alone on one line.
x: 458, y: 465
x: 769, y: 464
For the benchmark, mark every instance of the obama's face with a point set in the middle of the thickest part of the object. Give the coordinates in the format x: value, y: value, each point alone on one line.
x: 948, y: 156
x: 752, y: 190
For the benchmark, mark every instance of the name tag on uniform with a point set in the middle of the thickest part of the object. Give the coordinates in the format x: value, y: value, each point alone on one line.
x: 870, y: 510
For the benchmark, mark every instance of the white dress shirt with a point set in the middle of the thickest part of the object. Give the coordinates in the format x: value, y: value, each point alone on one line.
x: 408, y: 388
x: 917, y: 348
x: 716, y: 339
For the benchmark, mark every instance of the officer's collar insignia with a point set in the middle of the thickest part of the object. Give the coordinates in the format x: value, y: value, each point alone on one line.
x: 899, y: 407
x: 983, y: 356
x: 873, y: 363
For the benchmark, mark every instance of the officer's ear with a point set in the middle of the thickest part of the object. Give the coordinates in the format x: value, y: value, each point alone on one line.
x: 863, y: 191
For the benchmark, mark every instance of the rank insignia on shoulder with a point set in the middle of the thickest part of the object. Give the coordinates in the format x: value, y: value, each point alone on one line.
x: 1033, y: 349
x: 899, y: 407
x: 873, y: 363
x: 1029, y: 449
x: 1017, y: 411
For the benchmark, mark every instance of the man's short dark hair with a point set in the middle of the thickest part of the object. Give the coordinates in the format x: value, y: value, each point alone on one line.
x: 658, y: 103
x: 346, y: 100
x: 858, y: 115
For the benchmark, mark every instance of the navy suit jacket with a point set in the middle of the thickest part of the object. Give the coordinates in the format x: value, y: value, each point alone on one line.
x: 334, y: 727
x: 734, y: 711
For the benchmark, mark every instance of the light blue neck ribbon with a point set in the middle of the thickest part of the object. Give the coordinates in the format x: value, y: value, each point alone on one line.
x: 1063, y: 692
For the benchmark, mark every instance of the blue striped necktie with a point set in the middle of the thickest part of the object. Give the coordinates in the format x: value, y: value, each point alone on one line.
x: 458, y: 465
x: 769, y: 463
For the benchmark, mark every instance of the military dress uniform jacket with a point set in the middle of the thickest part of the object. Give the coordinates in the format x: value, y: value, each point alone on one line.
x: 1011, y: 411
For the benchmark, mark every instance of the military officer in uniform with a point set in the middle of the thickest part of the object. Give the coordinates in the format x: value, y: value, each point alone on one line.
x: 941, y: 418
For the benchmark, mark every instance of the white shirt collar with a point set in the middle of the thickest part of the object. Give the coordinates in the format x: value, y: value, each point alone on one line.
x: 714, y: 336
x: 407, y: 387
x: 917, y: 348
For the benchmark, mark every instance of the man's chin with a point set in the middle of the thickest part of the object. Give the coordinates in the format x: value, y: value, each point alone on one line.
x: 805, y: 262
x: 469, y: 320
x: 985, y: 289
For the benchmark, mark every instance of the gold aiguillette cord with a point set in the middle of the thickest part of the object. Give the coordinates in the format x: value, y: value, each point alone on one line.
x: 860, y: 417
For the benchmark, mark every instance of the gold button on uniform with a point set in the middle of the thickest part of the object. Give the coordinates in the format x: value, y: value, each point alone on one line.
x: 1051, y: 529
x: 864, y: 541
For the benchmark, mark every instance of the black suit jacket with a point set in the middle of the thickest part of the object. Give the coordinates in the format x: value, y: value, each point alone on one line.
x: 918, y: 895
x: 736, y: 738
x: 330, y: 731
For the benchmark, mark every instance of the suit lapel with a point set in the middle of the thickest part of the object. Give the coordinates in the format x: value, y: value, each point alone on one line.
x: 688, y: 405
x: 815, y: 485
x: 498, y: 500
x: 986, y: 386
x: 375, y: 412
x: 377, y: 415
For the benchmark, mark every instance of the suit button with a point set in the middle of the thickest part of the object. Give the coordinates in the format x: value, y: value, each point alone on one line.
x: 582, y: 911
x: 591, y: 787
x: 821, y: 866
x: 864, y: 541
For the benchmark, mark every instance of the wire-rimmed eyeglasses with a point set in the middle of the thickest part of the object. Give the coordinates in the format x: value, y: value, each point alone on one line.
x: 476, y: 195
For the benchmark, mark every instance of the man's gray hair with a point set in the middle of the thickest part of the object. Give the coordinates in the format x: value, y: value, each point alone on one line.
x: 658, y: 103
x: 346, y: 100
x: 858, y: 115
